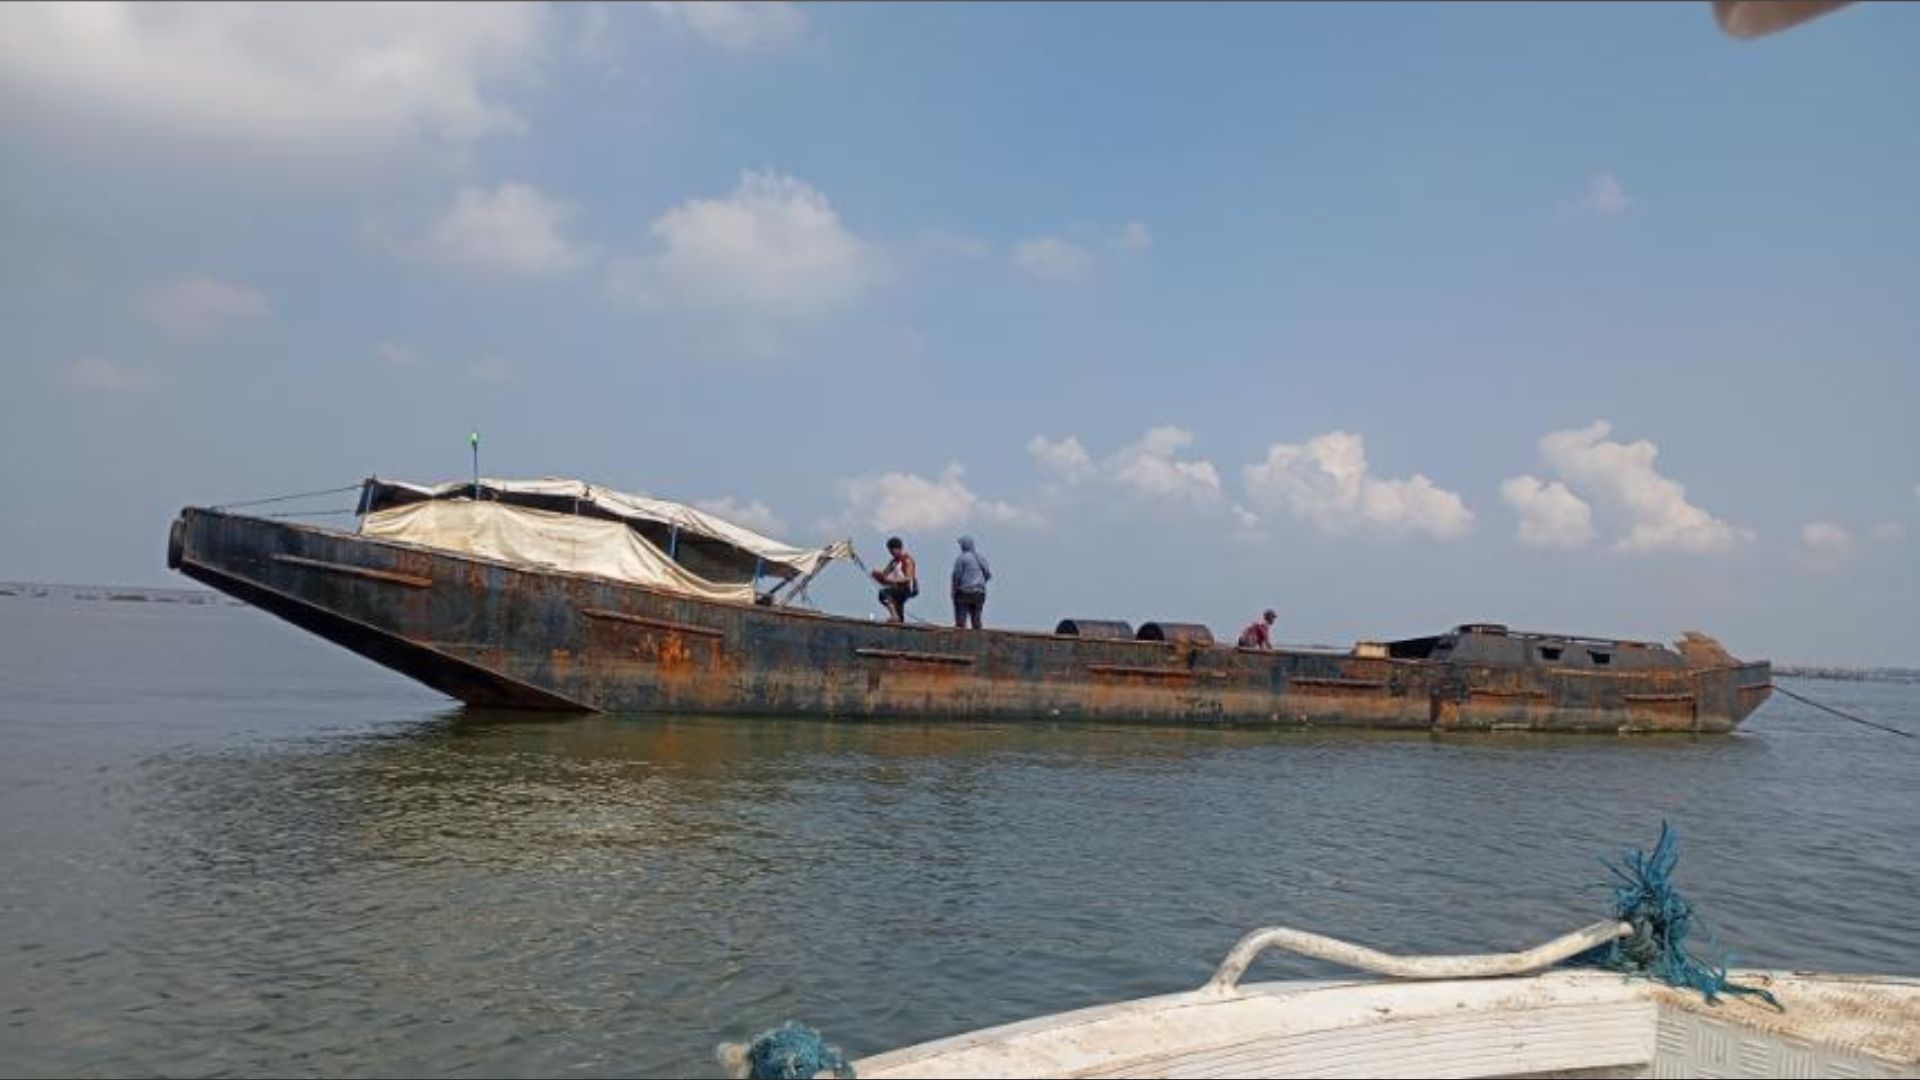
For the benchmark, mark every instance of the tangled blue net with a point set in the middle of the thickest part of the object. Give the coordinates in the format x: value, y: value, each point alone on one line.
x: 1644, y: 896
x: 792, y: 1051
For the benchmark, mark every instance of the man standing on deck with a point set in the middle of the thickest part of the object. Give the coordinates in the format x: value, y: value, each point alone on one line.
x: 899, y: 582
x: 970, y: 577
x: 1255, y: 636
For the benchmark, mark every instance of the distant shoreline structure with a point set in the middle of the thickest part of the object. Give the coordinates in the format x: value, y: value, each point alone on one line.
x: 146, y: 594
x: 1847, y: 674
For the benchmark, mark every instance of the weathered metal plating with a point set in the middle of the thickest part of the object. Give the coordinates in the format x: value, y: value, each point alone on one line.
x: 494, y: 634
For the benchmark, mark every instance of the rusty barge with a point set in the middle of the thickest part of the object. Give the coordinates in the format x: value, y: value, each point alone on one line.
x: 557, y: 595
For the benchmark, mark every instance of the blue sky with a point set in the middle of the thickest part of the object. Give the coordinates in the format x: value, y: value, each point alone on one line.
x: 1577, y: 317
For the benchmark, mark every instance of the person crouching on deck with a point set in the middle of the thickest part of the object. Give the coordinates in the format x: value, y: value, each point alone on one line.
x: 970, y: 577
x: 899, y: 582
x: 1255, y: 636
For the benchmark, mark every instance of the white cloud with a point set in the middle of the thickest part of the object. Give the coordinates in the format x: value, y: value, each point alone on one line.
x: 1825, y: 544
x: 1550, y: 515
x: 397, y: 355
x: 1248, y: 520
x: 900, y: 344
x: 317, y: 82
x: 1605, y: 197
x: 1058, y: 260
x: 760, y: 26
x: 492, y: 371
x: 773, y: 249
x: 1065, y: 458
x: 907, y: 502
x: 754, y: 515
x: 513, y: 230
x: 954, y: 245
x: 1051, y: 259
x: 1150, y: 468
x: 199, y: 305
x: 1622, y: 478
x: 1889, y: 532
x: 595, y: 40
x: 105, y: 376
x: 1326, y: 481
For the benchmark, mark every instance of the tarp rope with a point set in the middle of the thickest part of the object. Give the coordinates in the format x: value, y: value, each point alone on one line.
x: 311, y: 513
x: 1778, y: 689
x: 1644, y: 896
x: 288, y: 498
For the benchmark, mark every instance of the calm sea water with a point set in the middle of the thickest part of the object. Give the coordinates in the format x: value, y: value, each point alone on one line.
x: 230, y: 849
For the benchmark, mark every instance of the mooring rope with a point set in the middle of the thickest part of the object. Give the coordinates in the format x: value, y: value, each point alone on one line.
x: 309, y: 513
x: 288, y: 498
x: 1778, y: 689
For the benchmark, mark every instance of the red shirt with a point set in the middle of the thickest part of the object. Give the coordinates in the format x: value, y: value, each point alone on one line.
x: 1255, y: 635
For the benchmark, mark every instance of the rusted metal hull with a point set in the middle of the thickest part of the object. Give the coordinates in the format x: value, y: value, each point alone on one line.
x: 493, y: 634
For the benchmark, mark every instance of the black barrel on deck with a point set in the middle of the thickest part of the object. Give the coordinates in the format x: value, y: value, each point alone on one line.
x: 1180, y: 633
x: 1100, y: 629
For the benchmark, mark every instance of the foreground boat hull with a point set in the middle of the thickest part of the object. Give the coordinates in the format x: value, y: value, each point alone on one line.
x: 1563, y: 1023
x: 500, y: 635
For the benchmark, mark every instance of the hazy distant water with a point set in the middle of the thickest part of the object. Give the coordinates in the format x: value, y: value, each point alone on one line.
x: 230, y: 849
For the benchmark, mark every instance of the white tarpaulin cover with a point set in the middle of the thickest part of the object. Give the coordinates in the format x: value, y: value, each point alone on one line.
x: 580, y: 545
x: 782, y: 559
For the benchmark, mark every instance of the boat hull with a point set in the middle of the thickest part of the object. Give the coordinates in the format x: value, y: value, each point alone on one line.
x: 1561, y: 1023
x: 500, y: 635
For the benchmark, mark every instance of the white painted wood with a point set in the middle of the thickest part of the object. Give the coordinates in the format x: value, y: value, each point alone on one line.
x: 1598, y: 1023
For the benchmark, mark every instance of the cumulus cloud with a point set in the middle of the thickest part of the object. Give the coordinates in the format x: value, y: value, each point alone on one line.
x: 1825, y: 545
x: 760, y: 26
x: 1133, y: 236
x: 954, y: 245
x: 492, y: 371
x: 104, y: 376
x: 596, y: 40
x: 1057, y: 260
x: 1151, y: 468
x: 1064, y: 458
x: 513, y: 230
x: 754, y: 515
x: 1621, y: 477
x: 1326, y: 481
x: 198, y: 305
x: 1605, y: 197
x: 1550, y: 515
x: 316, y: 82
x: 773, y: 249
x: 397, y: 355
x: 1051, y: 259
x: 908, y: 502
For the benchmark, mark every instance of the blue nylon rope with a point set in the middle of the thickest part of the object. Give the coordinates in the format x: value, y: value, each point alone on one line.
x: 1644, y: 895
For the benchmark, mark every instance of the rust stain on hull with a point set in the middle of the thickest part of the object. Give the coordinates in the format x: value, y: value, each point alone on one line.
x: 499, y: 635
